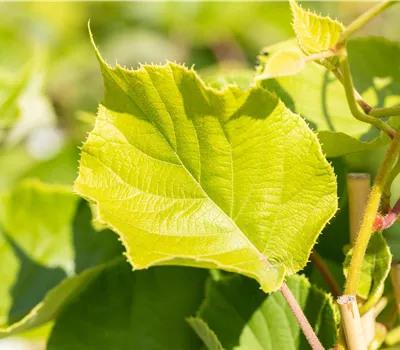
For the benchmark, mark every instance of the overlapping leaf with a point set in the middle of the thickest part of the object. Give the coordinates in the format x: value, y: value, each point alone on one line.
x: 243, y: 317
x: 122, y: 310
x: 190, y: 175
x: 41, y: 241
x: 319, y: 97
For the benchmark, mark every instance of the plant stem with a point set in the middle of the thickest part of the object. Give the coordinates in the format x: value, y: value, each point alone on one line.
x: 351, y: 322
x: 301, y: 318
x: 363, y: 20
x: 359, y: 99
x: 365, y: 231
x: 374, y: 112
x: 320, y: 265
x: 349, y: 90
x: 385, y: 112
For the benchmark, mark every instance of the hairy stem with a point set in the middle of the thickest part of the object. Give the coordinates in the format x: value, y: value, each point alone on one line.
x: 320, y: 265
x: 349, y: 90
x: 301, y: 318
x: 363, y: 20
x: 371, y: 210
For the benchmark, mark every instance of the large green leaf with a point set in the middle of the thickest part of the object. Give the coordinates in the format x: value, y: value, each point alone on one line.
x: 243, y: 317
x: 375, y: 268
x: 123, y: 310
x: 190, y: 175
x: 319, y: 97
x: 44, y: 240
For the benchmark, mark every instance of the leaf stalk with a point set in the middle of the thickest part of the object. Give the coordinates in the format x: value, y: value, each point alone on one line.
x: 351, y: 100
x: 362, y: 20
x: 301, y: 318
x: 320, y: 265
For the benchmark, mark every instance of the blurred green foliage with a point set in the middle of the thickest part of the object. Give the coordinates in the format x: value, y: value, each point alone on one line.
x: 50, y: 83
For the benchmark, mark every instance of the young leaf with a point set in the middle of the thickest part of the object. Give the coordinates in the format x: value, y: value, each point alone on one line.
x: 190, y: 175
x: 314, y: 33
x: 243, y: 317
x: 41, y: 241
x: 375, y: 268
x: 319, y: 97
x: 208, y: 337
x: 145, y: 309
x: 282, y: 63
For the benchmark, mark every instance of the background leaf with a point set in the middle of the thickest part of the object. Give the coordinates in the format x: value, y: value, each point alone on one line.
x: 208, y: 337
x: 203, y: 177
x: 137, y: 310
x: 243, y: 317
x: 319, y: 97
x: 375, y: 268
x: 42, y: 240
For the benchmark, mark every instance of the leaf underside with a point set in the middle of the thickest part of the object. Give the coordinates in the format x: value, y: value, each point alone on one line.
x: 190, y: 175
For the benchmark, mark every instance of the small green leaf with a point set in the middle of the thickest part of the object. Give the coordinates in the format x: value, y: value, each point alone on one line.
x: 375, y: 268
x: 243, y: 317
x: 208, y: 337
x: 282, y: 63
x: 43, y: 239
x: 203, y: 177
x: 314, y: 33
x: 137, y: 310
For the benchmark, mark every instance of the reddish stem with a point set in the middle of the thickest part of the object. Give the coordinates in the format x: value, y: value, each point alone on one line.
x: 382, y: 223
x: 301, y: 318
